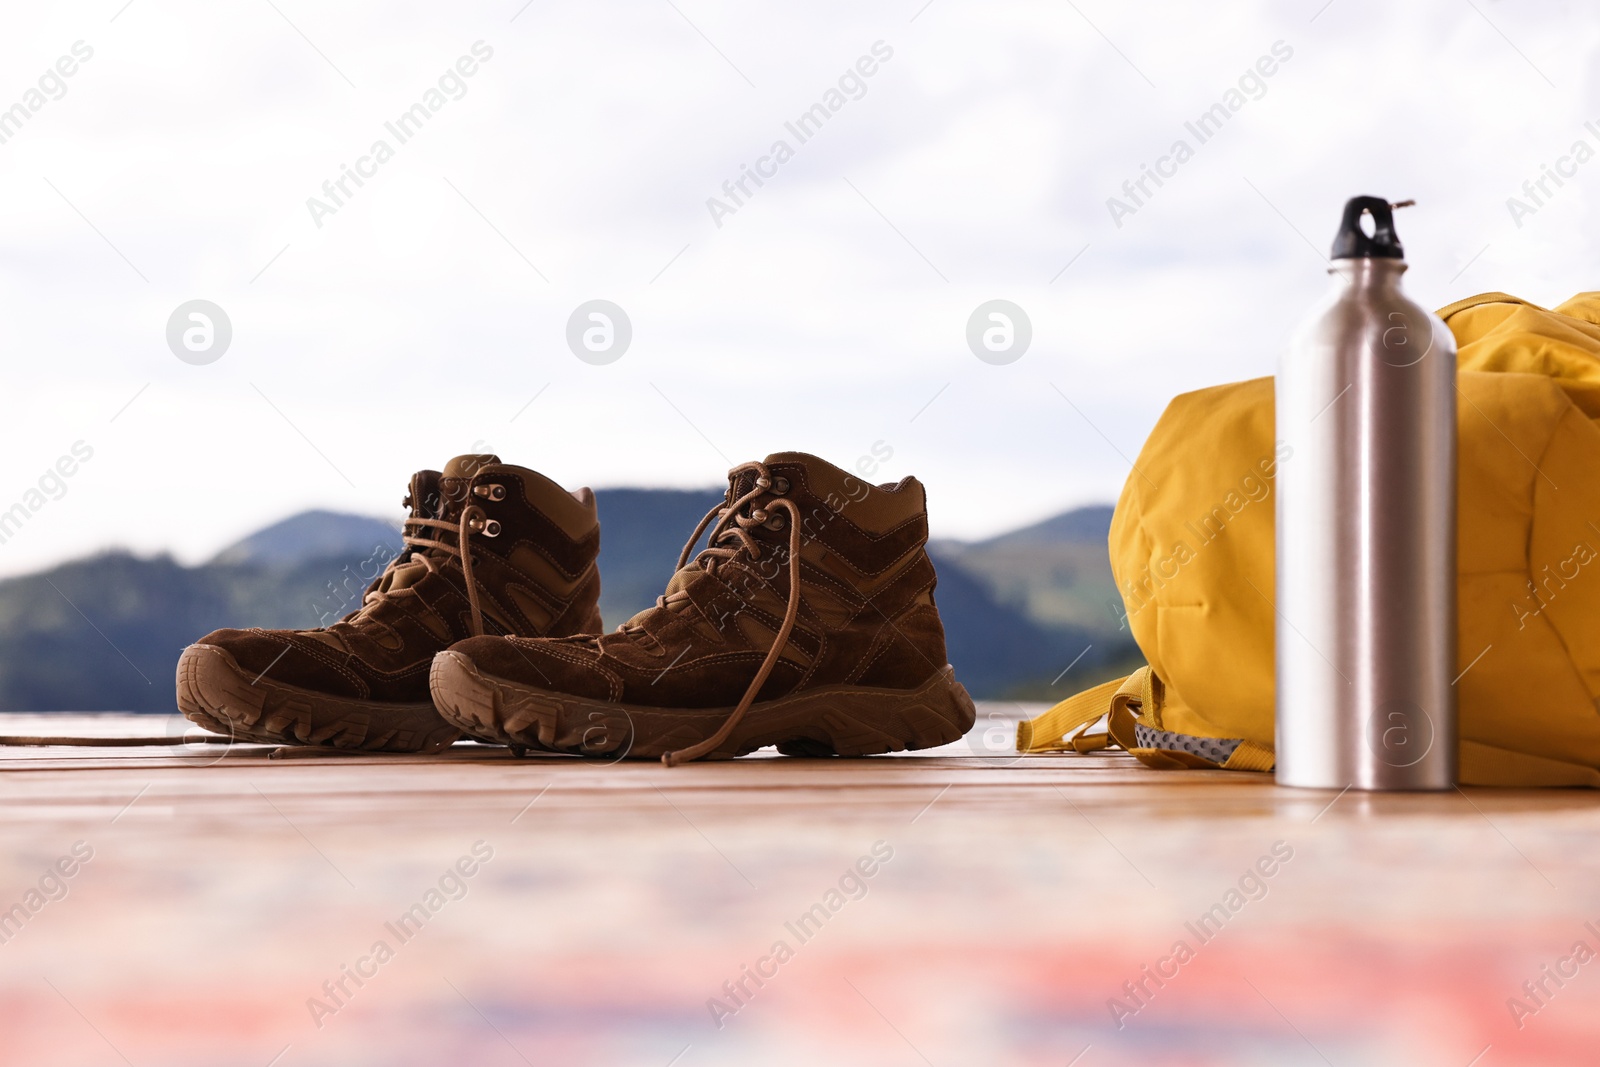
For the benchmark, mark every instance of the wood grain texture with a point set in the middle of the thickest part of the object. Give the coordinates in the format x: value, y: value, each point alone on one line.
x: 225, y: 887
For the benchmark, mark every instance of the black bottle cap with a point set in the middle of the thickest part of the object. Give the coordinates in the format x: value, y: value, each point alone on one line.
x: 1352, y: 243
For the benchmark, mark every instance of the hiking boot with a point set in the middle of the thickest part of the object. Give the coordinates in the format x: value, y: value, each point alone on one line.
x: 362, y: 683
x: 808, y: 623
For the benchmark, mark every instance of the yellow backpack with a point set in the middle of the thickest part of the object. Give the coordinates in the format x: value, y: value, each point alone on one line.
x: 1192, y: 551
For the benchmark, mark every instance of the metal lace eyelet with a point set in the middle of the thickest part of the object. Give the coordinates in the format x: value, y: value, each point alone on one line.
x: 759, y: 514
x: 487, y: 527
x: 764, y: 482
x: 775, y: 522
x: 492, y: 492
x: 780, y: 486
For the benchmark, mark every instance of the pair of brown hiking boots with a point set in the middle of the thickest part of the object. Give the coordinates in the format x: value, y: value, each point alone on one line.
x: 807, y: 622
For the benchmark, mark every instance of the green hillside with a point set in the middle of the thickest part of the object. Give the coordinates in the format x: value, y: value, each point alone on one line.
x: 104, y: 633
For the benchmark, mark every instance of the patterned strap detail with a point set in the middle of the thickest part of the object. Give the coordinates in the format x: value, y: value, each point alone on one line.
x: 1215, y: 749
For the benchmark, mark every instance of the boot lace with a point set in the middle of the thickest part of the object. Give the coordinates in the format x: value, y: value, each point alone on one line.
x: 430, y: 550
x: 730, y: 538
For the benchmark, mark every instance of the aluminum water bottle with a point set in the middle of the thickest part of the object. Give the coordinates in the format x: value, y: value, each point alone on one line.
x: 1366, y: 535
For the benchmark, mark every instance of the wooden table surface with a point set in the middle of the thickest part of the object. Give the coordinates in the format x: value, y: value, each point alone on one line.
x: 256, y: 906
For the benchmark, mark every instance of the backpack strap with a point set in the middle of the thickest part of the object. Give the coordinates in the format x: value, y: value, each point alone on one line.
x: 1131, y: 707
x: 1048, y: 732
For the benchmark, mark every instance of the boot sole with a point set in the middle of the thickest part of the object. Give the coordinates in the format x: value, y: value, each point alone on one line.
x: 844, y: 720
x: 216, y: 693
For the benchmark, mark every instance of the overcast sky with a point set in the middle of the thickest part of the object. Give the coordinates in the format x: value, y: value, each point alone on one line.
x: 426, y: 310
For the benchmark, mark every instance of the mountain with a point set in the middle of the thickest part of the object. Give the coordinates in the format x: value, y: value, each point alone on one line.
x: 1000, y: 652
x: 314, y: 535
x: 641, y: 534
x: 1056, y: 572
x: 104, y: 633
x: 1081, y: 526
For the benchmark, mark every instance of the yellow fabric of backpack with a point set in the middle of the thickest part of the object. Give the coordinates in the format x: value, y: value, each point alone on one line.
x: 1192, y: 551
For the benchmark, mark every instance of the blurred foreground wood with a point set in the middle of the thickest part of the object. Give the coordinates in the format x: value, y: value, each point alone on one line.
x: 962, y: 906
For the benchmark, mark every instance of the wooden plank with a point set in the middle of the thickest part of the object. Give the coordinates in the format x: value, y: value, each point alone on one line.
x: 1017, y: 897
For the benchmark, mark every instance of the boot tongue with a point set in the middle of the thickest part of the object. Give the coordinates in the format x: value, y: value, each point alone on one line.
x: 738, y: 485
x: 435, y: 495
x: 468, y: 465
x: 426, y: 502
x: 455, y: 478
x: 424, y: 497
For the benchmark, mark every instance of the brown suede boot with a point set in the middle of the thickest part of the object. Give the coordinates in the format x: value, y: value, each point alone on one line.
x: 808, y: 623
x: 362, y: 683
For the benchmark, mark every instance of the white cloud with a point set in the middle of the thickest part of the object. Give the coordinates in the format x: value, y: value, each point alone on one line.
x: 406, y: 328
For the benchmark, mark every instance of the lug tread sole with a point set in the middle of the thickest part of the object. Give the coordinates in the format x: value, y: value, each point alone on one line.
x: 829, y: 721
x: 216, y: 693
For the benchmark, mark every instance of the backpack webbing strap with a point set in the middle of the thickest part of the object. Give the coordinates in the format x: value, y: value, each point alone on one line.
x: 1124, y: 701
x: 1048, y: 732
x: 1132, y: 710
